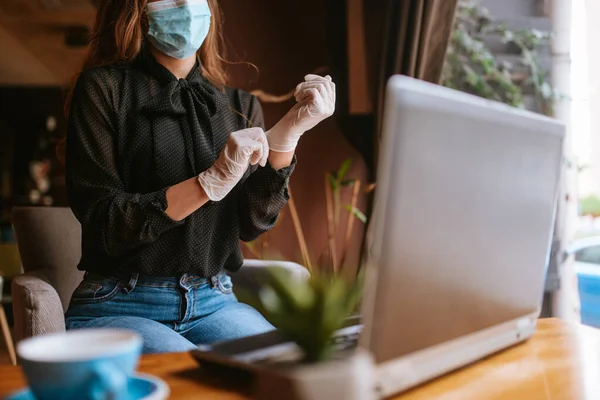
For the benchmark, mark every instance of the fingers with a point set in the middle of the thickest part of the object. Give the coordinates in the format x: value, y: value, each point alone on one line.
x: 252, y: 142
x: 317, y: 101
x: 313, y: 77
x: 316, y: 80
x: 317, y: 94
x: 309, y: 94
x: 255, y: 149
x: 248, y: 146
x: 304, y: 89
x: 321, y: 84
x: 325, y: 87
x: 264, y: 153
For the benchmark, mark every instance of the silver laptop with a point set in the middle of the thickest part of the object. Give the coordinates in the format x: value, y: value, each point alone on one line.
x: 459, y: 239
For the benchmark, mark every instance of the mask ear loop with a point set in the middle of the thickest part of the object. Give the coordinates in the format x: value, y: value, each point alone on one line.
x: 248, y: 121
x: 265, y: 97
x: 168, y: 4
x: 162, y: 5
x: 271, y: 98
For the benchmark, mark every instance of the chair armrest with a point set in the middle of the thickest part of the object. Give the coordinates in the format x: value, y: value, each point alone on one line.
x: 253, y: 272
x: 36, y: 306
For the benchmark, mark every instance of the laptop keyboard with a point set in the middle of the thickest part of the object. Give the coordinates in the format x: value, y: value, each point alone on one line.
x: 346, y: 341
x: 271, y: 347
x: 347, y: 338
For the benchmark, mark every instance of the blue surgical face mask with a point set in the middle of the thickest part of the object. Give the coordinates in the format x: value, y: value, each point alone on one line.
x: 178, y: 27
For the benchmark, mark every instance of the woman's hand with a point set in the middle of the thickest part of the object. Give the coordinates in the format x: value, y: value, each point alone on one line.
x: 316, y: 102
x: 248, y: 146
x: 243, y: 148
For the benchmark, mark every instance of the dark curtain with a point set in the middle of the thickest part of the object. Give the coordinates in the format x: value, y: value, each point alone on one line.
x: 416, y: 35
x: 407, y: 37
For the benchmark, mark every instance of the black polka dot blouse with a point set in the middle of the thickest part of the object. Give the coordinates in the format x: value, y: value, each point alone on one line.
x: 135, y: 130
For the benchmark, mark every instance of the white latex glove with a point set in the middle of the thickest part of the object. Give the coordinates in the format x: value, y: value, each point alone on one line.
x: 243, y: 148
x: 316, y: 101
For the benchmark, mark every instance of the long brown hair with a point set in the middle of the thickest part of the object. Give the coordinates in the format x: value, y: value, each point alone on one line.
x: 121, y: 26
x: 118, y: 36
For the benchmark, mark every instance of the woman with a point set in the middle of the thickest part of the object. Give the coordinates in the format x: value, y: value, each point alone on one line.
x: 167, y: 169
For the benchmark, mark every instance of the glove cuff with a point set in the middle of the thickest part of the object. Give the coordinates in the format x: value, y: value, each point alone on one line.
x: 282, y: 141
x: 211, y: 185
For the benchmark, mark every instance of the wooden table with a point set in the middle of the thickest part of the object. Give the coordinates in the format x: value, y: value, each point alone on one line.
x: 561, y: 362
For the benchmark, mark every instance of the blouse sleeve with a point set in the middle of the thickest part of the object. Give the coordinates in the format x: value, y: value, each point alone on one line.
x: 114, y: 220
x: 265, y: 192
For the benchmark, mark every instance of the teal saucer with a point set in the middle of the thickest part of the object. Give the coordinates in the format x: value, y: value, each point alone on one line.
x: 141, y: 387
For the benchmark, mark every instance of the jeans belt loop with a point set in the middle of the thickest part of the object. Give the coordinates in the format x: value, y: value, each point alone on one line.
x: 133, y: 278
x: 214, y: 280
x: 183, y: 283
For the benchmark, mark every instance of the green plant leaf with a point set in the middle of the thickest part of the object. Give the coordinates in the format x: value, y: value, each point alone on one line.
x: 471, y: 67
x: 347, y: 183
x: 333, y: 183
x: 357, y: 213
x: 294, y: 296
x: 341, y: 174
x: 311, y: 324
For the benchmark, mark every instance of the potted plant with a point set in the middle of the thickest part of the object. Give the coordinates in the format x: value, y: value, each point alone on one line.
x: 471, y: 66
x: 309, y: 313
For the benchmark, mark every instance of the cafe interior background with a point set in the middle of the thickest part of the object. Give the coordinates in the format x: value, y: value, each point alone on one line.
x: 42, y: 43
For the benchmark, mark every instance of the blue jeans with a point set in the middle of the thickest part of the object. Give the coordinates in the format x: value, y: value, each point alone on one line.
x: 171, y: 314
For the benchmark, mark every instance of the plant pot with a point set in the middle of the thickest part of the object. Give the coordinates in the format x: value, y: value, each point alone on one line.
x: 348, y: 376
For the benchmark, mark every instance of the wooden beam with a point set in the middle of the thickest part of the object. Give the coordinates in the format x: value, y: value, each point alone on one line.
x: 360, y: 96
x: 19, y: 66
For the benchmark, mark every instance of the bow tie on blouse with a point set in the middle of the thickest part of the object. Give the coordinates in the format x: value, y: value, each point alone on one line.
x: 200, y: 101
x: 176, y: 95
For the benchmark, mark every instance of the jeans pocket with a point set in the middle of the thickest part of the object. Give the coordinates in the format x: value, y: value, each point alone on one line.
x: 223, y: 283
x: 95, y: 290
